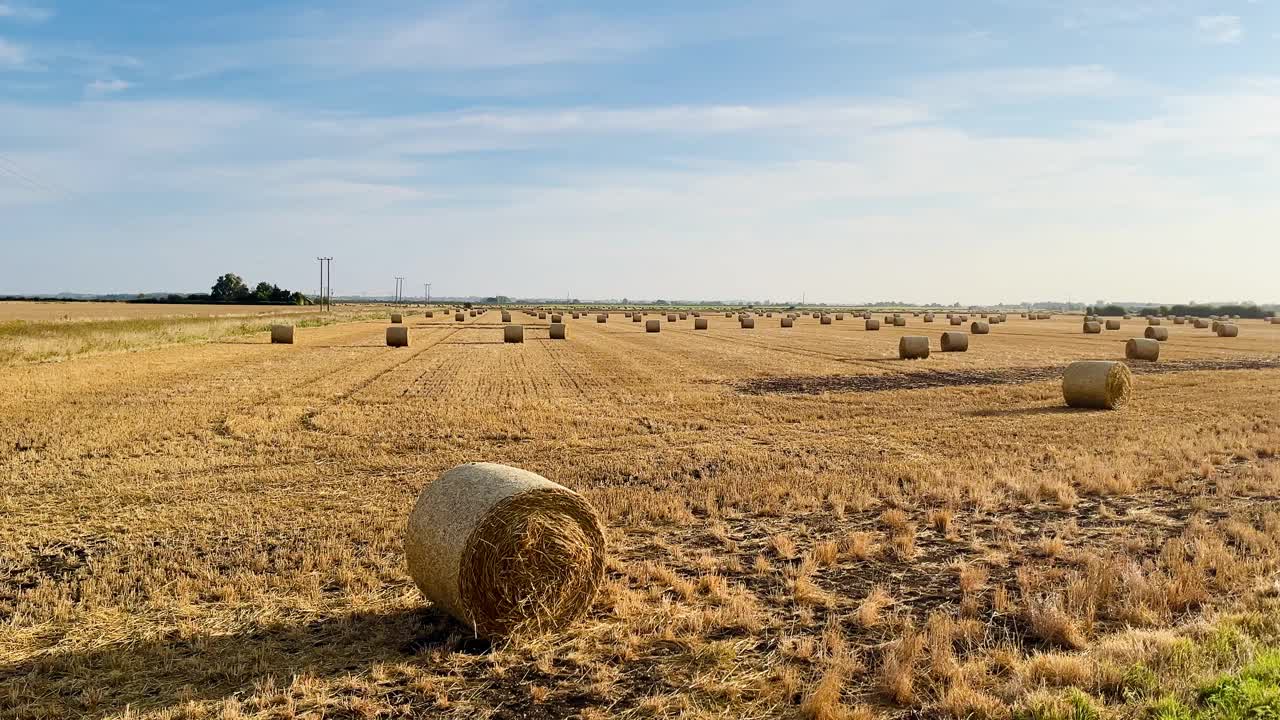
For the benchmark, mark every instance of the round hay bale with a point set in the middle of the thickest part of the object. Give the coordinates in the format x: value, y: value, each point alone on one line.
x: 577, y: 316
x: 626, y: 314
x: 913, y: 347
x: 1156, y: 333
x: 398, y: 336
x: 459, y: 317
x: 747, y: 323
x: 955, y: 320
x: 671, y: 317
x: 1275, y: 321
x: 636, y: 318
x: 1228, y: 330
x: 872, y: 324
x: 684, y: 316
x: 700, y: 324
x: 503, y: 550
x: 602, y: 318
x: 1201, y: 324
x: 1092, y: 328
x: 977, y: 327
x: 557, y: 318
x: 728, y: 314
x: 430, y: 314
x: 955, y: 341
x: 1179, y: 321
x: 1099, y: 384
x: 788, y: 322
x: 817, y: 315
x: 1153, y: 321
x: 282, y: 334
x: 899, y: 321
x: 928, y: 317
x: 1142, y: 349
x: 1113, y: 324
x: 513, y: 334
x: 652, y: 325
x: 866, y: 316
x: 396, y: 318
x: 840, y: 316
x: 506, y: 316
x: 542, y: 316
x: 473, y: 313
x: 826, y: 320
x: 557, y: 331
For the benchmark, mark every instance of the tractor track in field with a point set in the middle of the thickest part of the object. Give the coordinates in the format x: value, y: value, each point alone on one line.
x: 801, y: 352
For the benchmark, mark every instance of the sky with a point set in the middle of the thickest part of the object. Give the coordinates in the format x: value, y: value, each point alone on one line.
x: 978, y: 152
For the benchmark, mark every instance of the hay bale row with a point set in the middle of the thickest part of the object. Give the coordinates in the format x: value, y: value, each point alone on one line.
x: 1098, y: 384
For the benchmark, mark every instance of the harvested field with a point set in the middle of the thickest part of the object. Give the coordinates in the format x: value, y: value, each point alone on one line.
x: 215, y: 528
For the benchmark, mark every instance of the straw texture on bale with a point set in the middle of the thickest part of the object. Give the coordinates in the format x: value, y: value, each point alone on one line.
x: 748, y: 323
x: 872, y: 324
x: 602, y: 318
x: 671, y: 317
x: 652, y: 326
x: 397, y: 318
x: 557, y: 318
x: 1179, y: 321
x: 398, y: 336
x: 1156, y: 333
x: 1202, y: 324
x: 430, y: 314
x: 557, y: 331
x: 282, y: 334
x: 1142, y: 349
x: 1092, y: 328
x: 913, y: 347
x: 826, y: 320
x: 636, y: 317
x: 928, y: 317
x: 899, y: 321
x: 955, y: 342
x: 1228, y: 330
x: 506, y: 316
x: 542, y: 316
x: 459, y: 317
x: 956, y: 321
x: 684, y: 316
x: 840, y: 316
x: 513, y: 334
x: 788, y: 322
x: 1153, y: 321
x: 1113, y: 324
x: 977, y: 327
x: 700, y: 324
x: 1099, y: 384
x: 576, y: 316
x: 502, y: 549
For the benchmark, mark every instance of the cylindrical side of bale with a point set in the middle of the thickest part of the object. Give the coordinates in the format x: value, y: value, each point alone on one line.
x: 1156, y: 333
x: 728, y: 314
x: 602, y: 318
x: 542, y: 316
x: 502, y: 549
x: 1099, y: 384
x: 747, y: 323
x: 459, y: 317
x: 577, y: 316
x: 513, y: 333
x: 788, y: 322
x: 637, y: 317
x: 1113, y: 324
x: 840, y: 316
x: 871, y: 324
x: 430, y: 314
x: 1153, y: 321
x: 1228, y: 330
x: 396, y: 318
x: 398, y: 336
x: 955, y: 341
x: 1201, y: 324
x: 1142, y: 349
x: 1092, y: 328
x: 928, y: 317
x: 684, y: 316
x: 956, y: 321
x: 506, y: 316
x: 652, y: 326
x: 913, y: 347
x: 671, y: 317
x: 1179, y: 321
x: 557, y: 318
x: 866, y: 316
x: 826, y: 320
x: 899, y: 321
x: 557, y: 331
x: 472, y: 313
x: 282, y: 334
x: 700, y: 324
x: 977, y: 327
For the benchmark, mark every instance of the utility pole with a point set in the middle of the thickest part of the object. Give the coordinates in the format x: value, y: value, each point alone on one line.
x: 427, y: 288
x: 399, y: 291
x: 326, y: 282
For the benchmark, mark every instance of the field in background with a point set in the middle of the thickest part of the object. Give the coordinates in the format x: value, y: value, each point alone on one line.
x: 85, y: 311
x: 801, y: 525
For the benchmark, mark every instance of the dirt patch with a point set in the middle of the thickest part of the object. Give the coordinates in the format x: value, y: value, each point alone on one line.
x: 818, y: 384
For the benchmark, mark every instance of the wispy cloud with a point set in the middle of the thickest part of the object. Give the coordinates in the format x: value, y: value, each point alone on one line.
x: 1220, y: 29
x: 12, y: 55
x: 25, y: 13
x: 99, y: 88
x: 1018, y: 84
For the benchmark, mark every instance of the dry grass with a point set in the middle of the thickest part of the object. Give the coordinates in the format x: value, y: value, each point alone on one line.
x: 215, y: 529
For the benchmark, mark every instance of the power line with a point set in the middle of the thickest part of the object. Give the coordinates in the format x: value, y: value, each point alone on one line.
x: 12, y: 169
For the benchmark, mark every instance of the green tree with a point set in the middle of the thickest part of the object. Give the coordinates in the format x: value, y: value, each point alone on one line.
x: 229, y: 287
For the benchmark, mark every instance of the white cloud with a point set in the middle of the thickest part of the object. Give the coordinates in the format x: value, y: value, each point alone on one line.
x: 1018, y: 84
x: 11, y: 56
x: 24, y: 12
x: 1220, y: 29
x: 99, y: 88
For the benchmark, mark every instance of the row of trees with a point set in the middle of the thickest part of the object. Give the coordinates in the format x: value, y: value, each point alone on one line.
x: 231, y: 288
x: 1248, y: 311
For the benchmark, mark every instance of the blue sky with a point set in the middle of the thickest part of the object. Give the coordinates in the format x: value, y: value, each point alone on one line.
x: 987, y: 151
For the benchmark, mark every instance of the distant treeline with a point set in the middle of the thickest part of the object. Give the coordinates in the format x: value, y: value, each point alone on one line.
x: 1244, y: 311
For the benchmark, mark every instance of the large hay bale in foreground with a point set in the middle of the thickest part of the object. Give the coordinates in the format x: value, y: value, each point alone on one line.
x: 872, y: 324
x: 747, y: 323
x: 653, y: 326
x: 396, y: 318
x: 1156, y: 333
x: 1092, y: 328
x: 502, y: 549
x: 700, y: 323
x: 977, y: 327
x: 913, y: 347
x: 282, y: 334
x: 1113, y: 324
x: 955, y: 342
x: 459, y: 317
x: 1228, y: 330
x: 1099, y: 384
x: 513, y: 334
x: 1142, y: 349
x: 557, y: 331
x: 788, y: 322
x: 398, y: 336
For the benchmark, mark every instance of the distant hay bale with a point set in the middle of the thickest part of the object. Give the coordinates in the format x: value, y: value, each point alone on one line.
x: 506, y: 316
x: 602, y: 318
x: 1092, y: 328
x: 768, y: 315
x: 1179, y: 321
x: 1156, y: 333
x: 954, y: 341
x: 840, y: 316
x: 459, y: 317
x: 1228, y: 330
x: 866, y: 316
x: 473, y: 313
x: 542, y: 316
x: 684, y: 316
x: 557, y: 331
x: 1126, y: 317
x: 504, y: 550
x: 788, y: 322
x: 626, y: 314
x: 396, y: 318
x: 977, y: 327
x: 825, y: 320
x: 652, y: 325
x: 928, y: 317
x: 872, y: 324
x: 1142, y: 349
x: 816, y: 315
x: 398, y: 336
x: 1153, y: 321
x: 671, y: 317
x: 913, y: 347
x: 282, y: 334
x: 1113, y: 324
x: 1201, y: 323
x: 513, y: 333
x: 955, y: 320
x: 899, y: 321
x: 1099, y: 384
x: 577, y: 316
x: 636, y: 317
x: 700, y: 324
x: 747, y: 323
x: 557, y: 318
x: 430, y: 314
x: 728, y: 314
